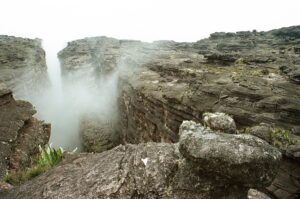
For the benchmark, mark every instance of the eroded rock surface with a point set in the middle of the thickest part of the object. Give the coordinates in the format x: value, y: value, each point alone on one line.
x: 22, y: 66
x: 161, y: 170
x: 20, y: 133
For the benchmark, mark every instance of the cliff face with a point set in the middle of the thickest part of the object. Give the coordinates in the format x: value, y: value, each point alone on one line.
x: 22, y: 66
x: 20, y: 133
x: 253, y: 76
x: 250, y: 75
x: 22, y: 71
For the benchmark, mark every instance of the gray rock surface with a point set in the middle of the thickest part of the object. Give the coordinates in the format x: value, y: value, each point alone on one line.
x: 158, y: 170
x: 219, y: 121
x: 262, y: 131
x: 229, y: 155
x: 20, y: 133
x: 22, y: 66
x: 98, y: 134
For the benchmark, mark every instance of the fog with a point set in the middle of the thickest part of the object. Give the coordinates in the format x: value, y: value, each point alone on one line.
x: 57, y: 22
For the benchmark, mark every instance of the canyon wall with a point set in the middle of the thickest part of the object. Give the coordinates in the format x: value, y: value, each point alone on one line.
x: 253, y: 76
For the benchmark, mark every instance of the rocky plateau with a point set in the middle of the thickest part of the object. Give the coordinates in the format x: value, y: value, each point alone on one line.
x: 189, y: 120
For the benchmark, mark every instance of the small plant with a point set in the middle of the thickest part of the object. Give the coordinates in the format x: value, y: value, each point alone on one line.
x: 47, y: 158
x: 281, y: 138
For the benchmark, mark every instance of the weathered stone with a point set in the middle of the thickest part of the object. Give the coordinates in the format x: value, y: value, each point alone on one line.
x: 154, y: 170
x: 262, y: 131
x: 230, y: 156
x: 219, y: 121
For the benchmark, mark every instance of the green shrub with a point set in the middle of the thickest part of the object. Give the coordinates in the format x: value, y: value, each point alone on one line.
x: 47, y: 158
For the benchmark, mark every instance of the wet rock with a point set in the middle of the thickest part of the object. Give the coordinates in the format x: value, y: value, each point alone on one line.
x: 20, y: 133
x: 156, y: 170
x: 219, y: 121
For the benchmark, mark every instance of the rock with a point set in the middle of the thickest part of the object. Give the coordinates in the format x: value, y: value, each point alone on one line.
x: 230, y: 156
x: 219, y: 121
x: 286, y: 183
x: 255, y: 194
x: 5, y: 187
x: 155, y: 170
x: 23, y: 66
x: 297, y: 49
x: 262, y: 131
x: 98, y: 134
x: 20, y: 133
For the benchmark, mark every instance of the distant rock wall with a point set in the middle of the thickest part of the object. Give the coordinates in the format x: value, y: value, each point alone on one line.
x: 22, y: 66
x: 163, y: 83
x: 20, y: 133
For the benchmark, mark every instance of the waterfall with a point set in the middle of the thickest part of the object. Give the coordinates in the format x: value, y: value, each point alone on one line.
x: 53, y: 107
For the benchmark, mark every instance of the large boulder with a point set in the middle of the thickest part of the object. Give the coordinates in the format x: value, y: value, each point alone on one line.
x: 190, y: 169
x: 230, y: 156
x: 219, y: 121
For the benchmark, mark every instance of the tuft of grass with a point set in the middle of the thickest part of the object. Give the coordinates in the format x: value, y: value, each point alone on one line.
x: 281, y: 138
x: 47, y: 158
x: 19, y: 177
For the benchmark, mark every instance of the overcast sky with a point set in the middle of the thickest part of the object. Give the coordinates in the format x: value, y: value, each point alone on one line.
x: 148, y: 20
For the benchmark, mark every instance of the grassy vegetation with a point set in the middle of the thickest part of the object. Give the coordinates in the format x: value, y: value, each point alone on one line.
x: 281, y: 138
x: 47, y: 158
